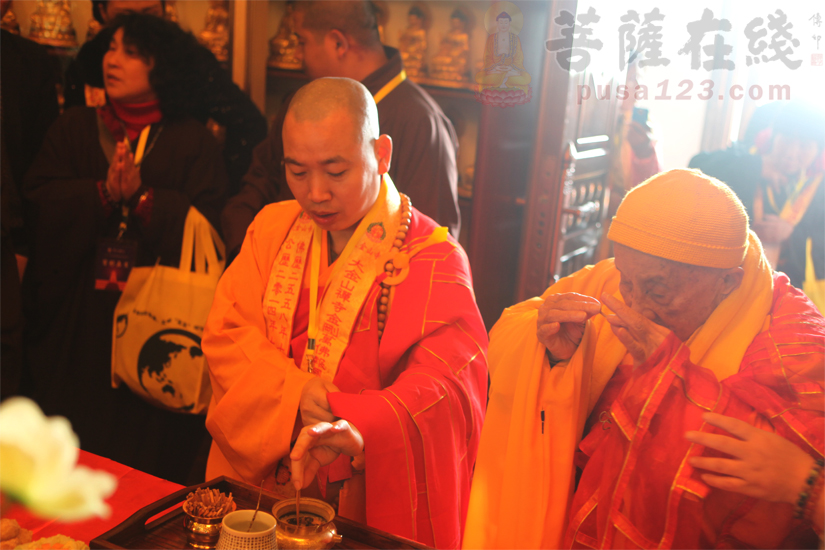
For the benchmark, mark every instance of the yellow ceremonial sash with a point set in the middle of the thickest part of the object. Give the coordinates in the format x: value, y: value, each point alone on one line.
x: 795, y: 205
x: 141, y: 147
x: 390, y: 86
x: 792, y: 211
x: 814, y: 288
x: 332, y: 321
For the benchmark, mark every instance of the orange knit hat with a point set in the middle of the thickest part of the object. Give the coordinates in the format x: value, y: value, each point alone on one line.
x: 685, y: 216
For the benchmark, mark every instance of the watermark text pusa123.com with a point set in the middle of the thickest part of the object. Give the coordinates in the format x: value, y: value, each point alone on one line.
x: 685, y: 90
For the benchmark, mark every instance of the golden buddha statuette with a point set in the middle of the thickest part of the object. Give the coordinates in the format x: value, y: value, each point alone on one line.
x: 51, y: 24
x: 283, y: 45
x: 452, y: 60
x: 413, y: 44
x: 215, y: 34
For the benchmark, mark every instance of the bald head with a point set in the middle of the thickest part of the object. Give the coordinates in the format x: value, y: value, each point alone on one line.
x: 334, y: 158
x: 321, y: 98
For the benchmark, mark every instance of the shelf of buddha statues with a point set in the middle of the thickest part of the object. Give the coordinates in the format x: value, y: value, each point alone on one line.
x: 51, y: 25
x: 448, y: 68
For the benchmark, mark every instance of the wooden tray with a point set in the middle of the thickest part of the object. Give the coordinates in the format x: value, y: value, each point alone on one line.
x: 167, y: 530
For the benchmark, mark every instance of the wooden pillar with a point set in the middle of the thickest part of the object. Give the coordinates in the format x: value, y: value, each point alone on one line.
x: 250, y: 48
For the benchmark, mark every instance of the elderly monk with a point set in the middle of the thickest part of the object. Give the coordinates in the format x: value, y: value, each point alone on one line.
x: 348, y: 303
x: 608, y: 370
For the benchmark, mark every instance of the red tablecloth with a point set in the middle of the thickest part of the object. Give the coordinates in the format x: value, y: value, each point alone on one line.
x: 135, y: 489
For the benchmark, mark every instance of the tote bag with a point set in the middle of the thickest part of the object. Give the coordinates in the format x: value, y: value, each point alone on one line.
x: 159, y: 320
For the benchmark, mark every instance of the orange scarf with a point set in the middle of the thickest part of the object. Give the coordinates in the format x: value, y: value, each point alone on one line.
x: 346, y: 289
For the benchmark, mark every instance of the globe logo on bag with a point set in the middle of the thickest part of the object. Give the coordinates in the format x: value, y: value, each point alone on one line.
x: 165, y: 364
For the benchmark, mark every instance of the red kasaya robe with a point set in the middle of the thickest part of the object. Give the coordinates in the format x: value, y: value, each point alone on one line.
x: 417, y: 396
x: 637, y: 489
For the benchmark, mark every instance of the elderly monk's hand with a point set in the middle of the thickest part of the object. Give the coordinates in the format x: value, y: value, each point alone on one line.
x: 561, y: 321
x: 321, y: 444
x: 314, y: 405
x: 640, y: 335
x: 762, y: 464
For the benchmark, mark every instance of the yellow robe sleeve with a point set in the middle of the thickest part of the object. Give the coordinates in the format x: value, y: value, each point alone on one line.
x: 523, y: 481
x: 256, y: 387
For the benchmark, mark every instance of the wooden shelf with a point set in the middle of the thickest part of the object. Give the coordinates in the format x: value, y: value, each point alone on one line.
x: 283, y: 73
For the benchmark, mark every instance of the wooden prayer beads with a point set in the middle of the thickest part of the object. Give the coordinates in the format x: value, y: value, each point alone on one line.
x: 807, y: 501
x: 390, y: 267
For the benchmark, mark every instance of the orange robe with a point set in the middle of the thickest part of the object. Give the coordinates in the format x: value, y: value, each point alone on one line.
x: 417, y: 395
x: 759, y: 357
x: 637, y: 489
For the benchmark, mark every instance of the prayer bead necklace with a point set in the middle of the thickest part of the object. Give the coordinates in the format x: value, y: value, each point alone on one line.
x: 389, y: 267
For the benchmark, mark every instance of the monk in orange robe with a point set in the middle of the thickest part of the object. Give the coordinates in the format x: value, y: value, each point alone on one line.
x: 601, y: 388
x: 349, y: 311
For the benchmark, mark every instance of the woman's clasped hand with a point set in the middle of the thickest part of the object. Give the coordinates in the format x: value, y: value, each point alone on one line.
x: 123, y: 178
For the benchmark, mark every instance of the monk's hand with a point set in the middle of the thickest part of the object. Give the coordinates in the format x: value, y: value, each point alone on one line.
x: 762, y: 464
x: 561, y: 321
x: 773, y: 229
x: 314, y: 405
x: 640, y: 335
x: 319, y: 445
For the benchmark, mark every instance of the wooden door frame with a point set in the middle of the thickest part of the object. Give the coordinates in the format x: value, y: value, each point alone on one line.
x: 540, y: 233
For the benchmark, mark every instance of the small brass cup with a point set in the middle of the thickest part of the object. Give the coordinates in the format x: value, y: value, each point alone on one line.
x: 202, y: 532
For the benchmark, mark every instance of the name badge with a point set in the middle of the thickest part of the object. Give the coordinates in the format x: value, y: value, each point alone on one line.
x: 114, y: 261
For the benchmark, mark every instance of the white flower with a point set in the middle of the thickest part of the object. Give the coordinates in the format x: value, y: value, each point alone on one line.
x: 38, y: 458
